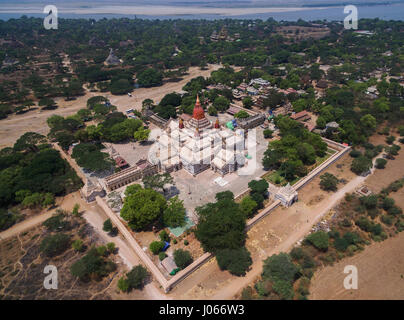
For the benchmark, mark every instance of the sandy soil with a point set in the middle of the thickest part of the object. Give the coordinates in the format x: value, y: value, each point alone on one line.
x: 16, y: 125
x: 380, y: 274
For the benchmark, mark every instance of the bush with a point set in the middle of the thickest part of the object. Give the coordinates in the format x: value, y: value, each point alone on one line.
x: 387, y: 220
x: 56, y: 223
x: 186, y: 242
x: 355, y: 153
x: 164, y: 236
x: 182, y: 258
x: 135, y: 279
x: 279, y: 267
x: 102, y: 250
x: 328, y: 182
x: 111, y: 247
x: 263, y: 287
x: 92, y: 264
x: 162, y: 256
x: 78, y: 245
x: 341, y: 244
x: 236, y: 261
x: 268, y: 133
x: 156, y: 246
x: 361, y: 165
x: 247, y: 293
x: 55, y: 244
x: 107, y: 227
x: 390, y: 139
x: 381, y: 163
x: 319, y: 240
x: 388, y: 203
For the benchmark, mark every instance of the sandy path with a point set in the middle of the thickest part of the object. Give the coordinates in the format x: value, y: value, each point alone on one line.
x: 25, y: 225
x: 16, y: 125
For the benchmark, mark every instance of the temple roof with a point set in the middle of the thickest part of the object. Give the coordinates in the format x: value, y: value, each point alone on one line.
x: 198, y: 113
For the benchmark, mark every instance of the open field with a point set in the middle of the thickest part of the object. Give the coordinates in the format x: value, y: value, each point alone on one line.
x: 380, y: 274
x: 16, y: 125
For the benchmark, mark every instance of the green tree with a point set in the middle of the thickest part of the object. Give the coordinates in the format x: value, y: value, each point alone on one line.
x: 141, y: 134
x: 319, y: 239
x: 156, y: 246
x: 221, y: 226
x: 78, y: 245
x: 248, y: 206
x: 237, y: 261
x: 54, y: 245
x: 143, y: 208
x: 328, y: 182
x: 107, y: 227
x: 174, y: 215
x: 361, y: 165
x: 248, y: 102
x: 182, y: 258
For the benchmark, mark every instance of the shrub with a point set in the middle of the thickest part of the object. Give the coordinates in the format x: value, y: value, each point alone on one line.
x: 387, y: 220
x: 341, y: 244
x: 388, y: 203
x: 284, y: 289
x: 111, y: 247
x: 246, y: 294
x: 102, y: 250
x: 355, y: 153
x: 56, y: 223
x: 182, y: 258
x: 156, y: 246
x: 186, y: 242
x: 237, y: 261
x: 395, y: 211
x: 369, y: 202
x: 263, y: 287
x: 135, y: 279
x: 92, y: 264
x: 390, y: 139
x: 164, y: 236
x: 123, y: 284
x: 279, y: 267
x: 268, y: 133
x: 319, y: 240
x: 55, y: 244
x: 107, y: 227
x: 78, y: 245
x: 328, y: 182
x: 162, y: 256
x: 381, y: 163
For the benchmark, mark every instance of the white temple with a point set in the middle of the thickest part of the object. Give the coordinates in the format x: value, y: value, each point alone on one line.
x: 196, y: 145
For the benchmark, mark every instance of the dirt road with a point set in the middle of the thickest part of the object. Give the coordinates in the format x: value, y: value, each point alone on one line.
x: 16, y: 125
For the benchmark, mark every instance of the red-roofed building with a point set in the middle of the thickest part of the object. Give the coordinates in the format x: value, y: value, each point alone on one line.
x: 301, y: 116
x: 121, y: 163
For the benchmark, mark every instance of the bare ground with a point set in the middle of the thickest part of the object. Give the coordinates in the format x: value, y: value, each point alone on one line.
x: 380, y: 274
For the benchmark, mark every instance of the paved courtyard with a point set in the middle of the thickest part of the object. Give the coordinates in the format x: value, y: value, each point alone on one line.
x: 199, y: 190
